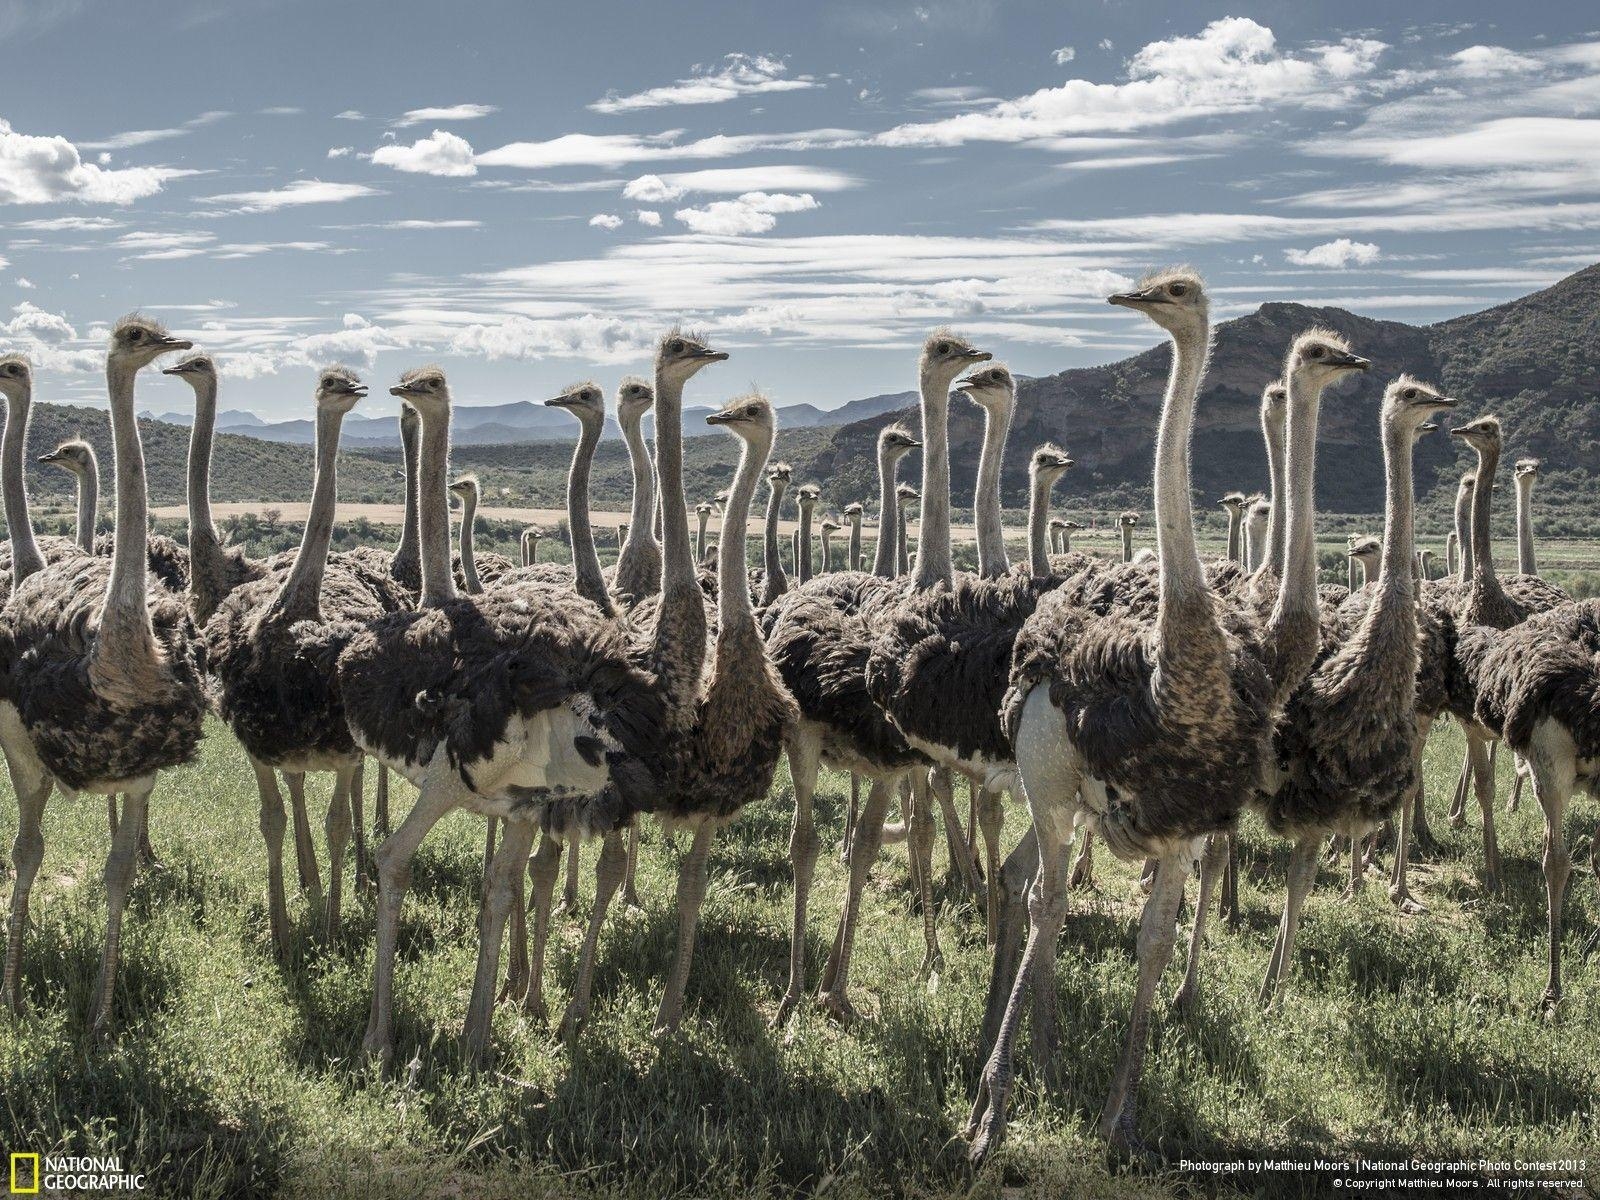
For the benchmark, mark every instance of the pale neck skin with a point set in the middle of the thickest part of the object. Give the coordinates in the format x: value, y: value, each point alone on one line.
x: 588, y: 580
x: 1183, y: 581
x: 298, y: 598
x: 1451, y: 542
x: 203, y: 539
x: 704, y: 517
x: 1525, y: 559
x: 88, y: 503
x: 886, y: 559
x: 933, y: 565
x: 25, y: 556
x: 641, y: 551
x: 734, y: 614
x: 1255, y: 540
x: 992, y: 560
x: 1235, y: 521
x: 1066, y: 541
x: 1297, y: 586
x: 1485, y: 584
x: 1127, y: 542
x: 853, y: 562
x: 1039, y: 522
x: 1464, y: 497
x: 771, y: 560
x: 407, y: 554
x: 807, y: 507
x: 533, y: 551
x: 1351, y: 563
x: 903, y: 553
x: 433, y: 507
x: 125, y: 633
x: 1396, y: 590
x: 680, y: 631
x: 1273, y: 417
x: 469, y: 564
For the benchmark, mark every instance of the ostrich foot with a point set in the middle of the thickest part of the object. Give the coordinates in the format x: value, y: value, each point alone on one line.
x: 630, y: 897
x: 838, y: 1007
x: 1186, y: 1000
x: 986, y: 1125
x: 932, y: 963
x: 786, y: 1009
x: 1550, y: 1003
x: 572, y: 1022
x: 1408, y: 905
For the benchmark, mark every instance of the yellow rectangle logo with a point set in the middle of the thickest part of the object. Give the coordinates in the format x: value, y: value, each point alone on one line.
x: 16, y: 1187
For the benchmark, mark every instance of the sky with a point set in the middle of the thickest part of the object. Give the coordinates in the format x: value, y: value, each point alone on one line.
x: 531, y: 194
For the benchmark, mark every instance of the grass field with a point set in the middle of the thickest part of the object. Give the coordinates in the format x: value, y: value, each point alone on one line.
x: 230, y: 1077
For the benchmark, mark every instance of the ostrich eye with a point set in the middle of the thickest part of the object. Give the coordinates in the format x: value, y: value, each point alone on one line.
x: 1177, y: 289
x: 1315, y: 352
x: 1411, y: 393
x: 942, y: 348
x: 676, y: 347
x: 135, y: 334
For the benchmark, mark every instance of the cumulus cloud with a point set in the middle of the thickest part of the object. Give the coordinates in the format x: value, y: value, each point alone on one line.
x: 1482, y: 62
x: 25, y: 283
x: 1339, y: 254
x: 440, y: 153
x: 1064, y: 55
x: 753, y: 212
x: 605, y: 220
x: 591, y: 336
x: 340, y: 151
x: 652, y: 189
x: 738, y: 75
x: 34, y: 324
x: 293, y: 195
x: 38, y: 170
x: 647, y: 216
x: 452, y: 112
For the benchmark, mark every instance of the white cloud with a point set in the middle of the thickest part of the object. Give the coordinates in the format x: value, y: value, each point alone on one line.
x: 739, y: 75
x: 732, y: 180
x: 350, y: 114
x: 1107, y: 44
x: 753, y: 212
x: 76, y: 224
x: 647, y: 216
x: 1507, y: 142
x: 591, y: 336
x: 291, y: 195
x: 33, y: 323
x: 38, y: 170
x: 1338, y: 254
x: 452, y: 112
x: 340, y: 151
x: 652, y: 189
x: 1482, y: 62
x: 25, y: 283
x: 440, y: 153
x: 1064, y: 55
x: 619, y: 149
x: 605, y: 220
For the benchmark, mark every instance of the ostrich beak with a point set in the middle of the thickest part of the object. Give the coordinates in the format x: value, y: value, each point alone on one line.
x: 721, y: 418
x: 713, y: 355
x: 1138, y: 299
x: 172, y: 343
x: 1350, y: 362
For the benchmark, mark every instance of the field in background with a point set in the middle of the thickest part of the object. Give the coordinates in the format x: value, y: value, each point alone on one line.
x: 1397, y: 1037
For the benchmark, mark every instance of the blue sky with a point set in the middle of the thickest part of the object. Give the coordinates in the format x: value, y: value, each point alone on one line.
x: 530, y: 194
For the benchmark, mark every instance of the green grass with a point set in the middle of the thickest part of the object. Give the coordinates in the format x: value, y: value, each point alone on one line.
x: 231, y: 1077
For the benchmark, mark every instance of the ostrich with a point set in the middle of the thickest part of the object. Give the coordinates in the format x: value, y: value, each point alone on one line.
x: 638, y: 572
x: 775, y: 583
x: 272, y: 647
x: 807, y: 497
x: 1058, y: 526
x: 528, y: 703
x: 1235, y: 503
x: 1160, y: 723
x: 530, y: 545
x: 829, y: 527
x: 1126, y: 522
x: 473, y: 570
x: 1257, y: 538
x: 906, y: 494
x: 819, y: 637
x: 794, y: 550
x: 1346, y: 744
x: 702, y: 512
x: 1045, y: 469
x: 1425, y: 561
x: 1527, y: 474
x: 853, y: 513
x: 77, y: 458
x: 102, y: 683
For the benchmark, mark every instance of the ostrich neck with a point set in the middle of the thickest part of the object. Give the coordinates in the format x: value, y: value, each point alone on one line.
x: 125, y: 634
x: 1293, y: 628
x: 679, y: 640
x: 433, y: 511
x: 298, y: 598
x: 1525, y: 560
x: 88, y: 505
x: 986, y: 503
x: 771, y: 560
x: 734, y: 613
x: 855, y: 544
x: 1396, y: 590
x: 1272, y: 422
x: 1464, y: 531
x: 591, y: 584
x: 1486, y: 595
x: 201, y: 436
x: 700, y: 536
x: 1185, y: 598
x: 1039, y: 527
x: 1127, y: 543
x: 933, y: 534
x: 1235, y: 520
x: 25, y: 556
x: 903, y: 544
x: 469, y: 563
x: 827, y: 551
x: 1253, y: 538
x: 1350, y: 574
x: 1450, y: 544
x: 406, y: 563
x: 636, y: 563
x: 803, y: 568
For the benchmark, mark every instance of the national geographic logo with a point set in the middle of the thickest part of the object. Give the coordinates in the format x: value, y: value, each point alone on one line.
x: 55, y: 1173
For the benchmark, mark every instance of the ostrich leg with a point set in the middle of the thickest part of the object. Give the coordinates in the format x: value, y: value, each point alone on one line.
x: 504, y: 871
x: 1458, y: 802
x: 273, y: 822
x: 358, y: 823
x: 850, y: 815
x: 1016, y: 879
x: 305, y: 851
x: 543, y: 869
x: 380, y: 804
x: 569, y: 890
x: 337, y: 831
x: 1213, y: 864
x: 1554, y: 778
x: 1228, y: 903
x: 1405, y: 833
x: 1302, y: 874
x: 691, y: 895
x: 988, y: 819
x: 961, y: 865
x: 608, y: 869
x: 630, y: 891
x: 920, y: 846
x: 804, y: 846
x: 118, y: 878
x: 1082, y: 875
x: 1483, y: 785
x: 833, y: 995
x: 27, y: 852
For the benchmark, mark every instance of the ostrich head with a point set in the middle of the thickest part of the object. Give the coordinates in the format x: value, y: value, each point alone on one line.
x: 410, y: 422
x: 1408, y: 403
x: 808, y: 496
x: 896, y: 442
x: 196, y: 370
x: 681, y: 354
x: 16, y: 376
x: 907, y: 494
x: 424, y: 389
x: 779, y: 474
x: 75, y: 455
x: 1128, y: 519
x: 137, y: 341
x: 830, y: 526
x: 1174, y: 299
x: 634, y: 398
x: 1260, y: 509
x: 1319, y: 357
x: 464, y: 489
x: 1049, y: 463
x: 1482, y: 434
x: 1234, y: 502
x: 338, y: 389
x: 944, y: 356
x: 1365, y: 550
x: 1527, y: 469
x: 854, y: 511
x: 1274, y: 399
x: 751, y: 418
x: 583, y: 400
x: 992, y: 389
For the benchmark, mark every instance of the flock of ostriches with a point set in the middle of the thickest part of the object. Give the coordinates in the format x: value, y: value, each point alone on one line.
x: 1144, y: 704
